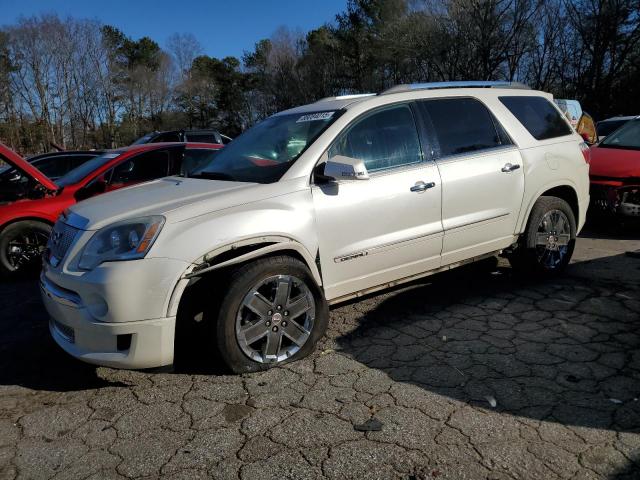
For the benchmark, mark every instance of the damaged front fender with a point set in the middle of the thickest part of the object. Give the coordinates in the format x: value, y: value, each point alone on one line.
x: 239, y: 252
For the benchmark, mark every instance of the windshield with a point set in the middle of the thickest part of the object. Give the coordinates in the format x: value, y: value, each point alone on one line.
x: 87, y: 168
x: 265, y: 152
x: 627, y: 136
x: 608, y: 126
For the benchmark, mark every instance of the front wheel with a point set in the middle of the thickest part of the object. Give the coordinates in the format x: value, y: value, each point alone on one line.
x: 273, y: 313
x: 21, y: 246
x: 547, y: 245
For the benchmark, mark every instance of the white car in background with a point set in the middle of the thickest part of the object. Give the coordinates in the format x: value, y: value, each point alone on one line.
x: 572, y: 110
x: 310, y: 207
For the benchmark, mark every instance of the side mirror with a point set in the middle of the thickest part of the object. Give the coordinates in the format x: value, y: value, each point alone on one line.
x: 345, y: 168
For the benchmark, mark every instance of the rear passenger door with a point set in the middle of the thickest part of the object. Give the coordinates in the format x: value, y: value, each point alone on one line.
x: 482, y: 176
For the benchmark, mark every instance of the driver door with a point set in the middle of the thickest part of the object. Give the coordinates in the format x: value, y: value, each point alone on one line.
x: 385, y: 228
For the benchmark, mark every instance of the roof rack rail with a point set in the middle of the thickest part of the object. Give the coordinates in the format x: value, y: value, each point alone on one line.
x: 458, y: 84
x: 347, y: 97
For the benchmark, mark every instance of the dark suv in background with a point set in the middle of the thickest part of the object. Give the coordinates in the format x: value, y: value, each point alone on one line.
x: 197, y: 136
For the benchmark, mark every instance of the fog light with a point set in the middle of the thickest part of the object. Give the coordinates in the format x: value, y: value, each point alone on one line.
x: 124, y: 342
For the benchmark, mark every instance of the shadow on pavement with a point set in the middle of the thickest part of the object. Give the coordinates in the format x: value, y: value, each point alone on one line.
x: 563, y: 350
x: 629, y: 472
x: 566, y: 350
x: 28, y: 356
x: 611, y: 229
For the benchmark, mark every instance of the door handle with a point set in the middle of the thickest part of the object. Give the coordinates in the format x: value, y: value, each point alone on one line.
x: 421, y: 186
x: 508, y: 167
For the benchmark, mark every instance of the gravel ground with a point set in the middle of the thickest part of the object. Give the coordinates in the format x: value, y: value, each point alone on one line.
x: 471, y: 374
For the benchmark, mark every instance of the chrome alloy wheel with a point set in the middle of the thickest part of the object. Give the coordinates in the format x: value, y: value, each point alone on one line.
x: 275, y: 319
x: 552, y: 239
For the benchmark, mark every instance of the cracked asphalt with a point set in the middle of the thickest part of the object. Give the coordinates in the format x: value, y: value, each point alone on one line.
x: 473, y: 374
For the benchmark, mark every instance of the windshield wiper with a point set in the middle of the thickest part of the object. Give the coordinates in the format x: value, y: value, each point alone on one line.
x: 213, y: 176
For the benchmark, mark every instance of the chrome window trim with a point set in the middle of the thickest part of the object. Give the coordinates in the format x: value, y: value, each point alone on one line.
x: 476, y: 153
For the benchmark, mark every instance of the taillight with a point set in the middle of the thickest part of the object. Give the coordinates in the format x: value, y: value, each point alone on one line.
x: 586, y: 152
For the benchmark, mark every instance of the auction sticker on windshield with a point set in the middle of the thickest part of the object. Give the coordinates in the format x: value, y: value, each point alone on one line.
x: 312, y: 117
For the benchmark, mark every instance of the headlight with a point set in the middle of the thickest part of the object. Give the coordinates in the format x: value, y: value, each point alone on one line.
x: 126, y: 240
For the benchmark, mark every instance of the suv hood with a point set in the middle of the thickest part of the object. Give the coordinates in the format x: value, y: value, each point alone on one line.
x: 175, y: 198
x: 15, y: 160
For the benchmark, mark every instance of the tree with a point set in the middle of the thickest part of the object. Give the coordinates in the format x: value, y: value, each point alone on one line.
x: 609, y: 34
x: 184, y: 48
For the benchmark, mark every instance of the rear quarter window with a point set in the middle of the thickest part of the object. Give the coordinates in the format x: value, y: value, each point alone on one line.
x: 541, y: 119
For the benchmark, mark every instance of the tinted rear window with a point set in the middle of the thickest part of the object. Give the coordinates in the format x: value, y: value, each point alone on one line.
x: 462, y: 125
x: 201, y: 137
x: 538, y: 116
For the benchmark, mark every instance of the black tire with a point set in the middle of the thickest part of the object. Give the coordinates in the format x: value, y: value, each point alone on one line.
x: 526, y: 258
x: 29, y: 232
x: 241, y: 282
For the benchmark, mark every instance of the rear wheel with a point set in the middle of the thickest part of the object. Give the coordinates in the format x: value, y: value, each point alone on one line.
x: 21, y: 246
x: 273, y: 313
x: 547, y: 245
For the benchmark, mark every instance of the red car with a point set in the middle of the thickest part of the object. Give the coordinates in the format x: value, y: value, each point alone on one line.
x: 27, y: 213
x: 615, y: 172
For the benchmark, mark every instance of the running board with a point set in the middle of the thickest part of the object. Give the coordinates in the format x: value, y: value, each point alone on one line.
x: 367, y: 291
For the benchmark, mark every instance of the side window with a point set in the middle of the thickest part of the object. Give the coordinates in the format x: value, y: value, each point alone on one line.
x: 195, y: 159
x: 78, y: 160
x: 146, y: 166
x: 538, y: 116
x: 462, y: 125
x: 385, y: 139
x: 53, y: 167
x: 168, y: 137
x: 201, y: 137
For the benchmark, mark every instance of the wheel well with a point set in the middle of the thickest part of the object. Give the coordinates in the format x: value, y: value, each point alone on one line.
x: 192, y: 324
x: 213, y: 276
x: 26, y: 219
x: 569, y: 195
x: 243, y: 250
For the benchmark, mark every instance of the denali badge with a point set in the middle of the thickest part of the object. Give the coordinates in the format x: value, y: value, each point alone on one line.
x: 351, y: 256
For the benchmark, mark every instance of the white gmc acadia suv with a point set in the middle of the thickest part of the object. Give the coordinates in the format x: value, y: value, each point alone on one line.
x: 313, y: 206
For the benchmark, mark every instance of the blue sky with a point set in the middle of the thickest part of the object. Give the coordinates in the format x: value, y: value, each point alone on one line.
x: 222, y: 27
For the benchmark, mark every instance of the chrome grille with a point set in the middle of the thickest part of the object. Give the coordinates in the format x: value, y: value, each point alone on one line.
x: 61, y: 238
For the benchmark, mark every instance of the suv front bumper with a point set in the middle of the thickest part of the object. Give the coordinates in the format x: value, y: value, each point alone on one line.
x: 87, y: 318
